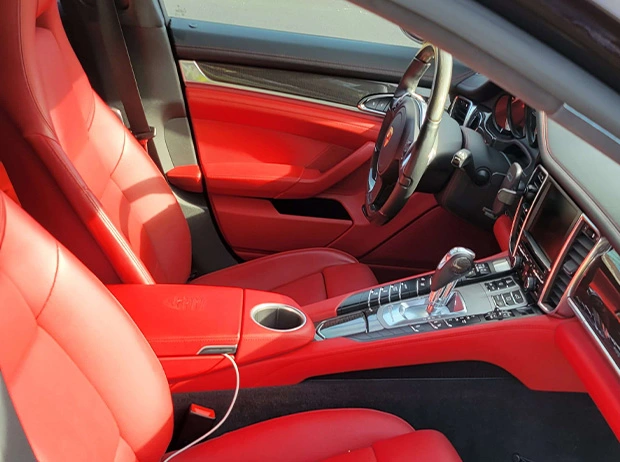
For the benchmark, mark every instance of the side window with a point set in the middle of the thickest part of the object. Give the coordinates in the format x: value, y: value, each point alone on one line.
x: 327, y: 18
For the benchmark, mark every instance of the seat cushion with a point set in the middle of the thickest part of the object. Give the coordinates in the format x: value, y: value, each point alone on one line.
x: 333, y: 435
x: 307, y: 276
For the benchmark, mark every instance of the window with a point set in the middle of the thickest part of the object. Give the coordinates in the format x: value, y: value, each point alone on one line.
x: 328, y: 18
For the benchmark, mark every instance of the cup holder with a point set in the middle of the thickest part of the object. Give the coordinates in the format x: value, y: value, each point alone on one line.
x: 278, y: 317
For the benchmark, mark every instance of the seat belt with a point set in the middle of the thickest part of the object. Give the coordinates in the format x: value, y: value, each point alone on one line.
x: 124, y: 77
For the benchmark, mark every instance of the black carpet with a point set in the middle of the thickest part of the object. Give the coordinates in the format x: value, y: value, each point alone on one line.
x: 487, y: 414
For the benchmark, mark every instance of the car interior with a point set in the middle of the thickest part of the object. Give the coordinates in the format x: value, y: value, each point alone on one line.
x: 380, y: 239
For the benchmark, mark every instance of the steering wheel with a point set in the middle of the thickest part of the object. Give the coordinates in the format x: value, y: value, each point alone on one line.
x: 408, y: 137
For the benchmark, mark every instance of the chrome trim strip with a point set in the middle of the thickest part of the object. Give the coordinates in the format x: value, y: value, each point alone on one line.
x: 217, y: 350
x: 192, y: 74
x: 513, y: 252
x: 534, y: 201
x: 594, y: 336
x: 553, y: 272
x: 600, y: 249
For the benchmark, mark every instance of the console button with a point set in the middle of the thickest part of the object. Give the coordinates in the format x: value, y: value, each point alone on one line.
x: 492, y: 316
x: 408, y: 289
x: 437, y: 325
x: 501, y: 284
x: 510, y: 282
x: 508, y: 299
x: 517, y: 297
x: 393, y: 292
x: 421, y: 327
x: 384, y: 298
x: 483, y: 269
x: 424, y: 285
x: 373, y: 298
x: 498, y: 301
x: 470, y: 319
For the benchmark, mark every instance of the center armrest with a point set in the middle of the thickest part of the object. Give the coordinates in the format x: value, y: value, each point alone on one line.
x: 181, y: 320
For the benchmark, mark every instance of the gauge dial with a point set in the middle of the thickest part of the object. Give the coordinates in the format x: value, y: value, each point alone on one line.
x: 516, y: 117
x: 500, y: 113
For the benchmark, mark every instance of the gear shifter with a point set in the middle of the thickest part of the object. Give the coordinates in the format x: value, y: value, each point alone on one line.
x: 452, y: 267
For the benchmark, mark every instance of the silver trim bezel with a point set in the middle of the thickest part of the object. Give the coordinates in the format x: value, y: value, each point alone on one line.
x: 281, y: 306
x: 553, y: 272
x: 600, y: 249
x: 528, y: 215
x: 208, y: 350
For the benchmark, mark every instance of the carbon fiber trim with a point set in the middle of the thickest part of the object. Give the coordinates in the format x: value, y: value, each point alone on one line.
x: 339, y: 90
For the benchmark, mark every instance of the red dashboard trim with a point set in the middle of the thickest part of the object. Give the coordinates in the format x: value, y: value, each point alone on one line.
x: 601, y: 381
x: 518, y: 346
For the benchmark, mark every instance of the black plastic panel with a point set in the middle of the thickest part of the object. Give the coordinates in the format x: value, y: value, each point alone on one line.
x: 225, y: 43
x: 314, y: 207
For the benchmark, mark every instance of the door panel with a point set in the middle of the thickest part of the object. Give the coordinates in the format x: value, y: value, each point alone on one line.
x: 259, y: 145
x: 275, y: 119
x: 255, y: 146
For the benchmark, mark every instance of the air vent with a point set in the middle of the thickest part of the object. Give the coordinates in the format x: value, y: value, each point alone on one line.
x: 460, y: 109
x: 577, y: 252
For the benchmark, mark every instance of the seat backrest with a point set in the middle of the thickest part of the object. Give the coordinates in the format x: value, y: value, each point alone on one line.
x: 84, y: 382
x: 83, y: 152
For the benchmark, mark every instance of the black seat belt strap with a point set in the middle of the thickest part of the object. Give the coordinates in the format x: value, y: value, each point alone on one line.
x: 123, y: 75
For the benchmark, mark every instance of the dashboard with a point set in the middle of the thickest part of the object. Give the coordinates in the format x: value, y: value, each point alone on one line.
x: 565, y: 236
x: 565, y: 264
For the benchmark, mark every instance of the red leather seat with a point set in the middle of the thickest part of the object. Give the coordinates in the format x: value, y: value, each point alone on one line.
x: 86, y: 385
x: 79, y: 172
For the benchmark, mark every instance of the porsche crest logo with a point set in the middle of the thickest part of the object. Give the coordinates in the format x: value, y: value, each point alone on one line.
x: 388, y: 136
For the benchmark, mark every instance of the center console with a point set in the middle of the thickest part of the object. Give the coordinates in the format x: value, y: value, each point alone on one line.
x: 489, y: 310
x: 549, y: 240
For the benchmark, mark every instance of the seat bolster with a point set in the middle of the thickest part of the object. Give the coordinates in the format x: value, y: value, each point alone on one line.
x: 419, y: 446
x: 304, y: 437
x: 307, y: 276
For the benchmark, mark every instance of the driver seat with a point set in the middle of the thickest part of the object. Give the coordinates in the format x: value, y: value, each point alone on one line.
x: 78, y: 171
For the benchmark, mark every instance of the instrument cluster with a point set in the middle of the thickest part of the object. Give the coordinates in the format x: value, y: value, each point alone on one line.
x: 512, y: 118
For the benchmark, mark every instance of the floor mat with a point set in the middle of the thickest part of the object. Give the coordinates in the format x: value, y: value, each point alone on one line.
x: 488, y: 415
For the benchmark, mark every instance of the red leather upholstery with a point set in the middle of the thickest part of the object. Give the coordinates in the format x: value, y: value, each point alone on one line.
x: 307, y: 276
x: 179, y: 320
x: 5, y: 184
x: 114, y: 190
x: 330, y: 435
x: 84, y: 381
x: 86, y: 385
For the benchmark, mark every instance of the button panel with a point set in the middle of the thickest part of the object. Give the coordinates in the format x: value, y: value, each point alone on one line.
x: 371, y: 300
x: 504, y: 293
x: 434, y: 325
x: 418, y: 286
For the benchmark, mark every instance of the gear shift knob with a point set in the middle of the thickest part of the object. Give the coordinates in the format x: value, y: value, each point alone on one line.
x: 452, y: 267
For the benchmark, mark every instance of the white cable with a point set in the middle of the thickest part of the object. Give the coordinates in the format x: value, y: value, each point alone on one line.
x: 230, y: 408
